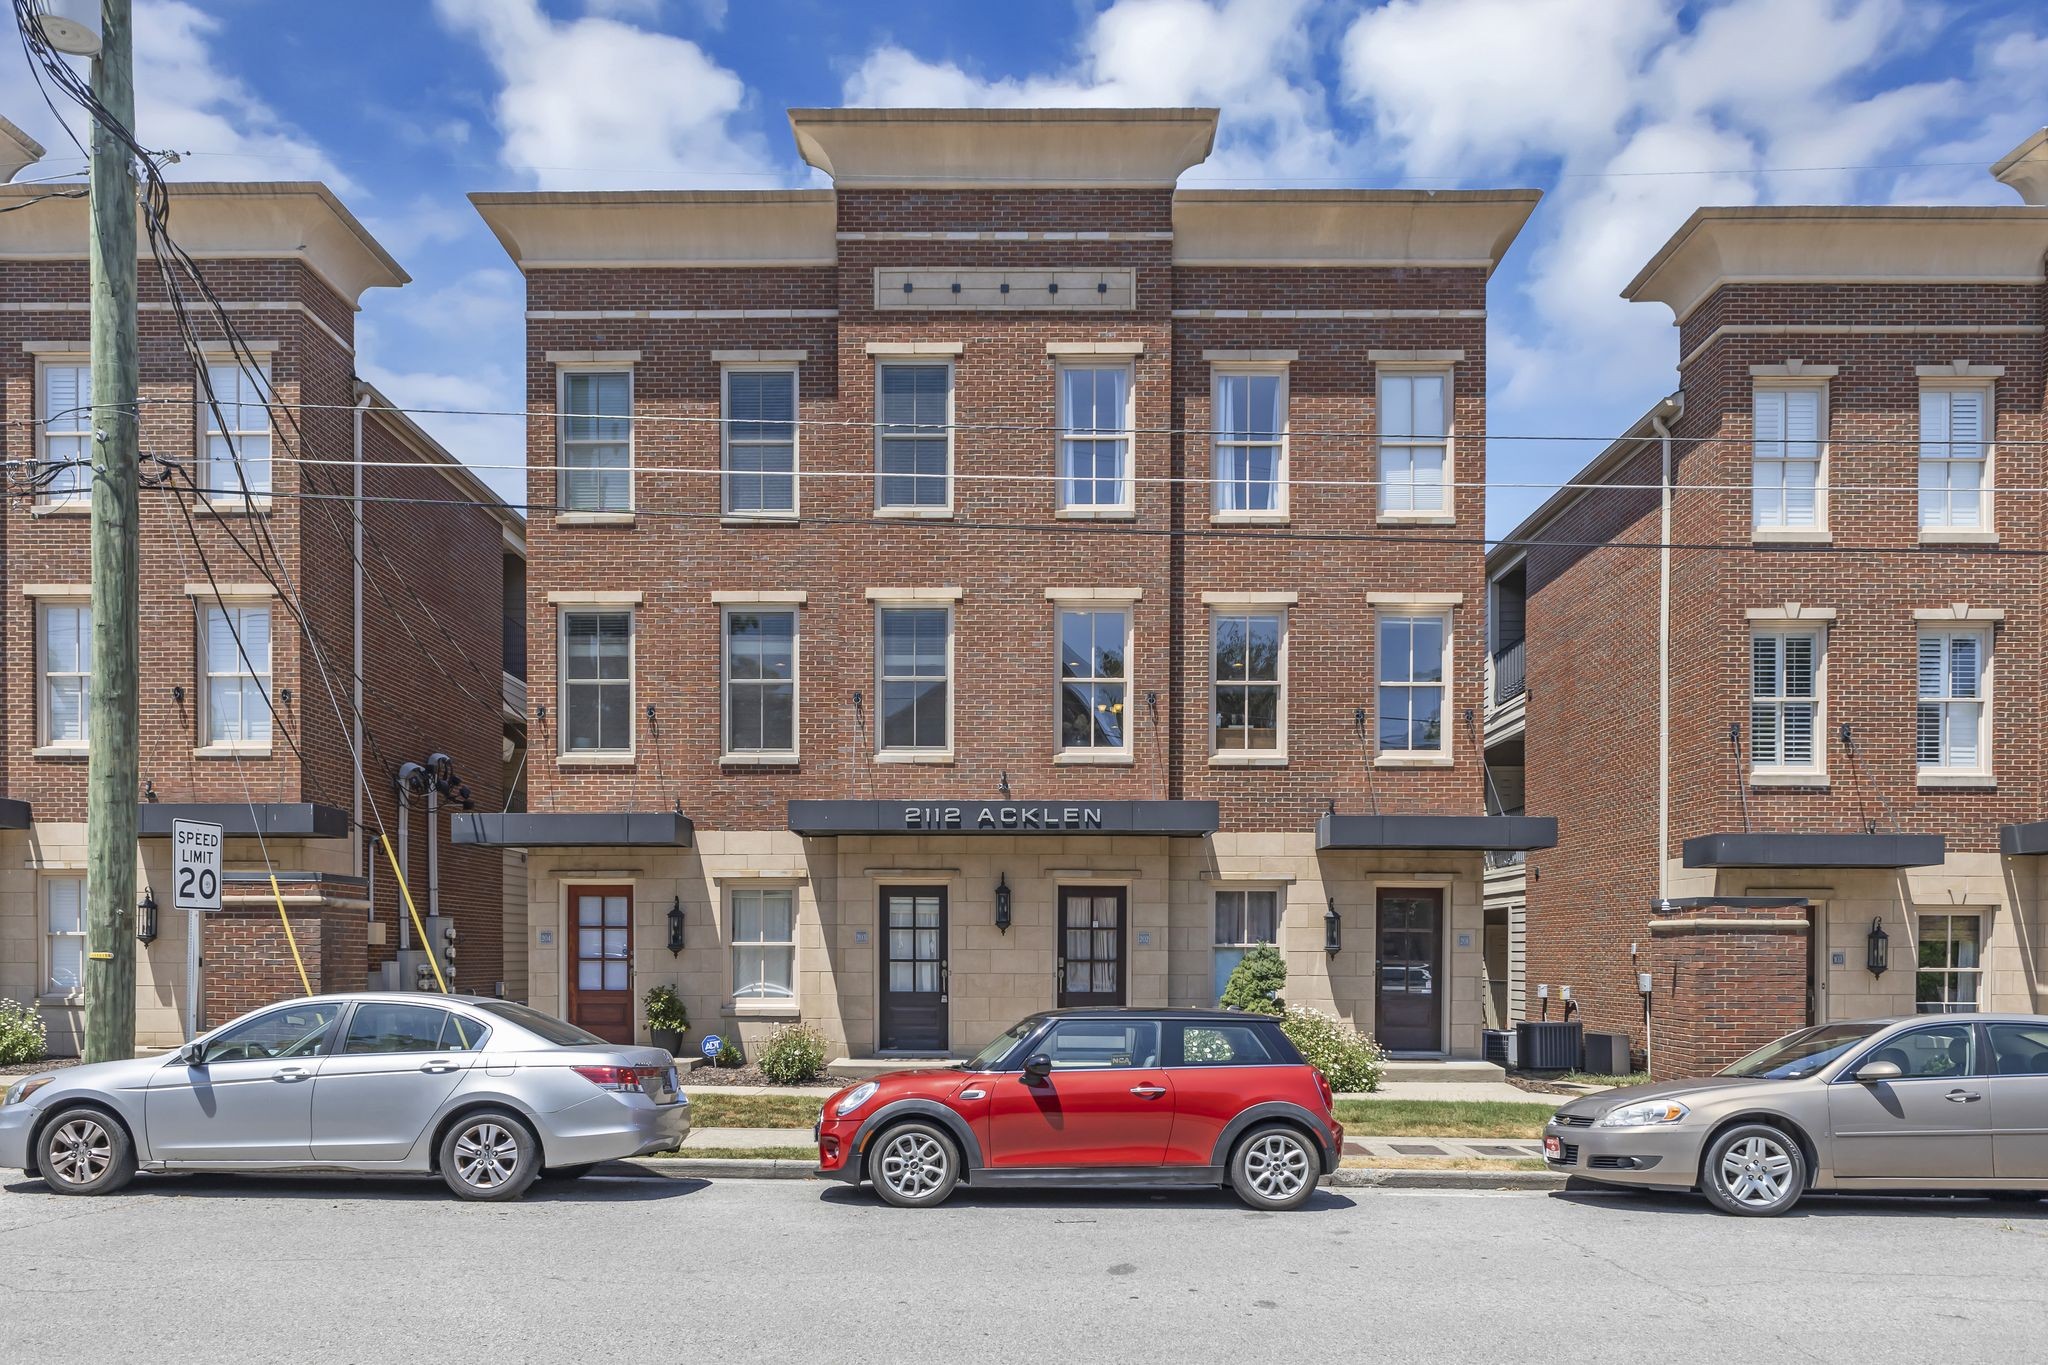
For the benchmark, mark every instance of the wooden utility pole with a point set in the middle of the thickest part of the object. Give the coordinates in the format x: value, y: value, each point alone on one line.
x: 113, y: 773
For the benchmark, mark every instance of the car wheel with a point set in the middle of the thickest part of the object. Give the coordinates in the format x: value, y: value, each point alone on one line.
x: 85, y: 1151
x: 1755, y: 1169
x: 1275, y: 1168
x: 489, y: 1156
x: 915, y: 1165
x: 570, y: 1172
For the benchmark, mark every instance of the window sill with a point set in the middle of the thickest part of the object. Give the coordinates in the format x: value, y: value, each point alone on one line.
x: 60, y: 751
x: 1958, y: 537
x: 595, y: 518
x: 1790, y: 535
x: 601, y: 759
x: 916, y: 513
x: 232, y: 751
x: 1095, y: 514
x: 1413, y: 761
x: 1789, y: 779
x: 1278, y: 518
x: 1276, y: 758
x: 1417, y: 519
x: 777, y: 760
x: 1982, y: 781
x: 232, y: 506
x: 758, y: 519
x: 1088, y: 758
x: 61, y: 1002
x: 752, y: 1009
x: 938, y: 756
x: 73, y: 507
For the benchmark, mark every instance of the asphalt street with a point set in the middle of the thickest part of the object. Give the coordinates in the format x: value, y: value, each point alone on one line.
x: 188, y: 1269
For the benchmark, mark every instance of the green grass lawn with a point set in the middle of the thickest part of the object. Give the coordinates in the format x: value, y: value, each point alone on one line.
x: 804, y: 1154
x: 753, y: 1111
x: 1444, y: 1118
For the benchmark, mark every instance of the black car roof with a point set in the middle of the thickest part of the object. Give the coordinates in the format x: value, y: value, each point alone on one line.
x: 1163, y: 1012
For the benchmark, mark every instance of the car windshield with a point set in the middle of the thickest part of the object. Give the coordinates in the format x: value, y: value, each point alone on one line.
x: 543, y: 1026
x: 1802, y: 1053
x: 1000, y: 1047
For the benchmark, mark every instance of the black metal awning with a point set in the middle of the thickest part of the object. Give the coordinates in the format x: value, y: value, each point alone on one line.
x: 14, y: 814
x: 1816, y: 850
x: 572, y: 829
x: 244, y: 819
x: 1173, y: 819
x: 1447, y: 833
x: 2018, y: 841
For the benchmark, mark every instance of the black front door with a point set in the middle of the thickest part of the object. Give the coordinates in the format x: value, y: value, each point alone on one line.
x: 913, y: 969
x: 1091, y: 962
x: 1409, y: 1013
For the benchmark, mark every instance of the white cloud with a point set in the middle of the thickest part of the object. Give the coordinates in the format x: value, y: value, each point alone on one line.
x: 596, y: 102
x: 457, y: 408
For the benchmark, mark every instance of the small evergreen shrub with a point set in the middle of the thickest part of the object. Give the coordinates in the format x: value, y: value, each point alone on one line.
x: 793, y: 1055
x: 665, y: 1012
x: 1256, y: 984
x: 23, y: 1035
x: 729, y: 1056
x: 1348, y: 1059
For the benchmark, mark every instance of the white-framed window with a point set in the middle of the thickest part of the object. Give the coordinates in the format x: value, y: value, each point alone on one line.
x: 1785, y: 700
x: 237, y: 682
x: 914, y: 665
x: 1414, y: 650
x: 1250, y: 447
x: 1415, y: 442
x: 1095, y: 437
x: 760, y: 681
x: 65, y: 662
x: 1244, y: 919
x: 1952, y: 715
x: 64, y: 936
x: 760, y: 441
x: 1950, y: 970
x: 763, y: 943
x: 597, y: 682
x: 1094, y: 679
x: 1248, y: 671
x: 1788, y: 441
x: 64, y: 417
x: 914, y: 437
x: 1955, y: 453
x: 236, y: 455
x: 596, y: 440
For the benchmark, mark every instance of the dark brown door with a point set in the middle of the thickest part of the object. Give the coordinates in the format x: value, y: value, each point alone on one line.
x: 1092, y: 928
x: 914, y: 1015
x: 1409, y: 1013
x: 601, y: 973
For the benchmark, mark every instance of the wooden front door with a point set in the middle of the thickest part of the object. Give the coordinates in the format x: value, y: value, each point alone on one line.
x: 1091, y: 965
x: 1409, y: 1011
x: 601, y: 970
x: 914, y: 1016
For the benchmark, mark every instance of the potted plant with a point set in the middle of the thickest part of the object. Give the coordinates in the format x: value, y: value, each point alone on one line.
x: 667, y: 1020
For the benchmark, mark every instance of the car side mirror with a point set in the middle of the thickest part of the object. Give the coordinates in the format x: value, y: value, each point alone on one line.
x: 1870, y: 1073
x: 193, y: 1054
x: 1037, y: 1066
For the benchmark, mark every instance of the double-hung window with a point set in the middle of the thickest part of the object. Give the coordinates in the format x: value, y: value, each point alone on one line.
x: 67, y: 673
x: 1095, y: 438
x: 1950, y: 720
x: 1415, y: 442
x: 1790, y: 428
x: 597, y: 441
x: 237, y: 427
x: 1249, y: 712
x: 760, y: 441
x: 760, y: 682
x: 914, y: 675
x: 64, y: 935
x: 64, y: 410
x: 237, y: 639
x: 914, y: 455
x: 1244, y: 919
x: 763, y: 944
x: 597, y: 682
x: 1412, y: 678
x: 1251, y: 442
x: 1951, y: 964
x: 1094, y: 680
x: 1784, y: 700
x: 1955, y: 436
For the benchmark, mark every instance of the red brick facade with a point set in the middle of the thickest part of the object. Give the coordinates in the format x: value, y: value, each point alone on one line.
x: 1726, y: 980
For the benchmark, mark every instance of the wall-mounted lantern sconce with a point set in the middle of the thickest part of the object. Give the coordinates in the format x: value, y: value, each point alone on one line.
x: 675, y: 927
x: 145, y: 918
x: 1877, y: 947
x: 1333, y: 928
x: 1003, y: 905
x: 178, y: 694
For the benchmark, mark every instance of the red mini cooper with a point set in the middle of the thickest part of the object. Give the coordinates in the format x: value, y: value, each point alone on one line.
x: 1096, y: 1097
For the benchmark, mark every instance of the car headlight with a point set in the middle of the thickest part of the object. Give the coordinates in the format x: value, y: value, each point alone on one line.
x: 1645, y: 1115
x: 25, y: 1087
x: 855, y: 1098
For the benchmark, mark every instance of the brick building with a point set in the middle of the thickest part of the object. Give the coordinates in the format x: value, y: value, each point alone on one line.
x: 1004, y: 580
x: 1801, y: 746
x: 401, y: 591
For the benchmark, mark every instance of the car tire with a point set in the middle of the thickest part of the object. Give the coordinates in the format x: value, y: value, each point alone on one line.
x: 1755, y: 1170
x: 1275, y: 1168
x: 84, y: 1150
x: 914, y: 1165
x: 570, y: 1172
x: 490, y: 1156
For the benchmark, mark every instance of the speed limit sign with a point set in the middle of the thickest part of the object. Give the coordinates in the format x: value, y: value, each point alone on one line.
x: 195, y: 865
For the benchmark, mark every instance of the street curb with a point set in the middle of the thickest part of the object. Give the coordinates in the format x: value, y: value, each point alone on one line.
x: 685, y: 1168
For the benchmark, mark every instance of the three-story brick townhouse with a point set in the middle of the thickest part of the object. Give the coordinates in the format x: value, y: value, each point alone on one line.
x: 402, y: 590
x: 1004, y: 580
x: 1795, y: 756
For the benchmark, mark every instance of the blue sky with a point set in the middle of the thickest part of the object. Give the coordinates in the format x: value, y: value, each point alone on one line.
x: 1627, y: 113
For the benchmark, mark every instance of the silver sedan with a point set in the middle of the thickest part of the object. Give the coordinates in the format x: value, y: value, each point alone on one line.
x: 486, y: 1094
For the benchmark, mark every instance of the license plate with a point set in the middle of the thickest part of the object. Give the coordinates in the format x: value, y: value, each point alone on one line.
x: 1553, y: 1148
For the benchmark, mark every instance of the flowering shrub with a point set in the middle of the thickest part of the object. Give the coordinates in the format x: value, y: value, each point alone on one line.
x: 23, y: 1034
x: 793, y: 1054
x: 1348, y: 1059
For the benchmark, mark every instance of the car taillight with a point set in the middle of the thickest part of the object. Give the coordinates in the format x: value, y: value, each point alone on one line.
x: 617, y: 1077
x: 1329, y: 1096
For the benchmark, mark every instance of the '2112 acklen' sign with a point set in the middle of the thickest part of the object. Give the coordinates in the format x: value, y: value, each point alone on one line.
x: 1175, y: 818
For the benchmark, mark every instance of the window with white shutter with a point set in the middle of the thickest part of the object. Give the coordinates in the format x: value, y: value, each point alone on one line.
x: 760, y: 441
x: 915, y: 451
x: 1955, y: 434
x: 1950, y: 722
x: 1784, y: 700
x: 597, y: 441
x: 1789, y: 433
x: 64, y: 412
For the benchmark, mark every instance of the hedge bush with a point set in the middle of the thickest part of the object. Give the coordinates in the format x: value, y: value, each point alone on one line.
x: 793, y: 1054
x: 23, y: 1035
x: 1256, y: 983
x: 1348, y: 1059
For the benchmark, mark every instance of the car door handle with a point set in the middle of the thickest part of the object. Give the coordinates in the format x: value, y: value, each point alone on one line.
x: 290, y: 1073
x: 1962, y: 1096
x: 1148, y: 1092
x: 436, y: 1068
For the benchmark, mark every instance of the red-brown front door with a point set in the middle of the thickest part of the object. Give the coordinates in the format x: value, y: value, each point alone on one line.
x: 601, y: 968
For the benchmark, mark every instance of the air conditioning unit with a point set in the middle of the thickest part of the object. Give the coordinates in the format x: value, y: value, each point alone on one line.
x: 1607, y: 1054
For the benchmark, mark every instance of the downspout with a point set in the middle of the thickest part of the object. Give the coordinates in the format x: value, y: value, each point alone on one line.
x: 404, y: 861
x: 1661, y: 417
x: 356, y: 537
x: 433, y: 850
